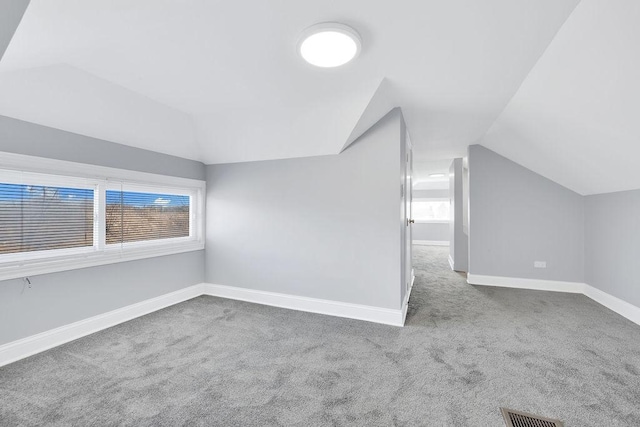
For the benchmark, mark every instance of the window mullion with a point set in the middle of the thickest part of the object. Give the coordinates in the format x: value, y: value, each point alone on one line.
x: 100, y: 216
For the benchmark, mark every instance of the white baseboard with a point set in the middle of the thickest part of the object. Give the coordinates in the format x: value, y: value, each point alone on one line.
x: 385, y: 316
x: 621, y: 307
x: 431, y: 242
x: 34, y: 344
x: 615, y: 304
x: 29, y: 346
x: 512, y: 282
x: 451, y: 263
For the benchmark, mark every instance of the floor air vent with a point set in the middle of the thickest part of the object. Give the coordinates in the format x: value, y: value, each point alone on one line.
x: 522, y: 419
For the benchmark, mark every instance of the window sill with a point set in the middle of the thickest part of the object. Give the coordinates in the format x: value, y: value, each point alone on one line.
x: 33, y: 268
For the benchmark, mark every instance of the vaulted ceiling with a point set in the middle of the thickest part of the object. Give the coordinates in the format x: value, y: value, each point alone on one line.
x: 576, y: 117
x: 220, y: 81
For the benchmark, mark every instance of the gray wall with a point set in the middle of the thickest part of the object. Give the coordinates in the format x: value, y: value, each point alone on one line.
x: 431, y: 231
x: 324, y: 227
x: 458, y: 239
x: 431, y: 194
x: 58, y: 299
x: 612, y: 244
x: 518, y: 217
x: 61, y: 298
x: 17, y: 136
x: 11, y: 12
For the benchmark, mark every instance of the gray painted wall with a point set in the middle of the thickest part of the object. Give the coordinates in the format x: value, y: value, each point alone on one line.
x: 11, y: 12
x: 612, y: 244
x: 431, y: 231
x: 17, y: 136
x: 58, y: 299
x: 324, y: 227
x: 431, y: 194
x: 518, y: 217
x: 61, y: 298
x: 458, y: 239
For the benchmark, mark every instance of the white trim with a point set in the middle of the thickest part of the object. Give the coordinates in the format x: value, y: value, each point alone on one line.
x: 47, y: 266
x: 405, y: 304
x: 17, y: 168
x: 432, y: 221
x: 367, y: 313
x: 615, y: 304
x: 535, y: 284
x: 38, y: 343
x: 451, y: 264
x: 34, y: 344
x: 24, y: 163
x: 621, y: 307
x: 431, y: 242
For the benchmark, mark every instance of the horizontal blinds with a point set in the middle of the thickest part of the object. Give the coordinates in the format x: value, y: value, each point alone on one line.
x: 43, y: 218
x: 137, y: 216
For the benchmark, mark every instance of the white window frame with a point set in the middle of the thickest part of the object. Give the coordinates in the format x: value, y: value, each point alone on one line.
x: 17, y: 168
x: 128, y: 186
x: 431, y: 199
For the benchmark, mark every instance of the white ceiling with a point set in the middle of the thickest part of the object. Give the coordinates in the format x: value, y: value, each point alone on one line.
x: 422, y: 179
x: 576, y: 117
x: 220, y: 81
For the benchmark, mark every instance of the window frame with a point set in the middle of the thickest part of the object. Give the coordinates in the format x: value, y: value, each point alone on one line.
x: 128, y: 186
x: 43, y: 171
x: 432, y: 199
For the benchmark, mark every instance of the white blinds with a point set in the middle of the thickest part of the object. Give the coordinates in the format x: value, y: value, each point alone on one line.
x: 45, y: 217
x: 57, y: 216
x: 140, y: 215
x: 45, y: 213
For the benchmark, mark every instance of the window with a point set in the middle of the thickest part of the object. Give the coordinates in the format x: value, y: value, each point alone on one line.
x: 51, y: 222
x: 430, y: 210
x: 133, y: 216
x: 37, y: 218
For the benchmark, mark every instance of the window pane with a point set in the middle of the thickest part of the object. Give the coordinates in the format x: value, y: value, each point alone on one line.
x: 134, y: 216
x: 39, y: 218
x: 430, y: 210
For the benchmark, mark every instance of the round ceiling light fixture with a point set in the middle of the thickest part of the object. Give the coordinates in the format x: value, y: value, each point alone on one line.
x: 437, y: 175
x: 329, y: 44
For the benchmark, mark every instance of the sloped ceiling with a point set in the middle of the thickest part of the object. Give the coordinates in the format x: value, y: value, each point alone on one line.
x: 142, y: 72
x: 10, y: 17
x: 576, y: 117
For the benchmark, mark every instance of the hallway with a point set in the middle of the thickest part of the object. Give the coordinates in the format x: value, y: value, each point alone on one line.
x: 554, y: 354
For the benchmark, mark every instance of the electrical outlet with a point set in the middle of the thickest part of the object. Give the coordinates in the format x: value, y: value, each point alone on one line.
x: 540, y: 264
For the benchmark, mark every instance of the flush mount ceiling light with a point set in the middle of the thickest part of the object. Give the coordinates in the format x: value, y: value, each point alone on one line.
x: 329, y: 44
x: 437, y: 175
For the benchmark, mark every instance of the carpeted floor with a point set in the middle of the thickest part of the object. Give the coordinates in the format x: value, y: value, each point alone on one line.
x: 465, y: 352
